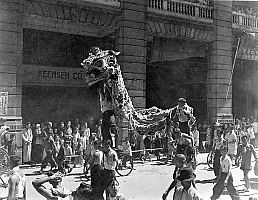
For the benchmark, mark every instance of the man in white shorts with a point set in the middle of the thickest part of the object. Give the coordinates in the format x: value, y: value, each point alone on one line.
x: 232, y: 143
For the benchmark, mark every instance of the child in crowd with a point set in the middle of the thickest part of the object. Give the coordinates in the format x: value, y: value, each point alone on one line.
x: 225, y: 178
x: 142, y: 148
x: 147, y: 145
x: 171, y: 148
x: 76, y: 137
x: 127, y: 150
x: 87, y: 155
x: 58, y: 143
x: 68, y: 152
x: 78, y: 152
x: 196, y: 136
x: 157, y: 145
x: 12, y: 146
x: 246, y: 150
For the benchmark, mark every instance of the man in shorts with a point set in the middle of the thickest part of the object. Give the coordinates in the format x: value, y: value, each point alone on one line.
x: 246, y: 150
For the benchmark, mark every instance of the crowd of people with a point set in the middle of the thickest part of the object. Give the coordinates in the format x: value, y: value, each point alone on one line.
x: 59, y: 144
x: 201, y: 2
x: 246, y: 11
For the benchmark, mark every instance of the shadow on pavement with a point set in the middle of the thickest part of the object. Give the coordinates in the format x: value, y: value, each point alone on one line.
x: 204, y: 181
x: 254, y: 179
x: 158, y: 163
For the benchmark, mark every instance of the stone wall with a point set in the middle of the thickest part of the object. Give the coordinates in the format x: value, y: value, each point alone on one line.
x: 219, y: 71
x: 10, y: 54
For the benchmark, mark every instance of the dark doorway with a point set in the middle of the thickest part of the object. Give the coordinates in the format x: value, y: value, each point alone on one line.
x: 167, y: 81
x: 58, y: 103
x: 245, y: 88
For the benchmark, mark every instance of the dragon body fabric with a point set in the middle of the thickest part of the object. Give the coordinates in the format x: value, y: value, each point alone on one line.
x: 101, y: 68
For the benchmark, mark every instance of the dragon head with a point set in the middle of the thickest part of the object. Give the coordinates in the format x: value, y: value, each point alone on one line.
x: 100, y: 65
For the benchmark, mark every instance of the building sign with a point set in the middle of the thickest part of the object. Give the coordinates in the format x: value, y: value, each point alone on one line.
x: 3, y: 103
x: 225, y: 118
x: 51, y: 76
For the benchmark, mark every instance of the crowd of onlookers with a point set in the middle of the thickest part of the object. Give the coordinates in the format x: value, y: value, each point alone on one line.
x: 201, y: 2
x: 246, y: 11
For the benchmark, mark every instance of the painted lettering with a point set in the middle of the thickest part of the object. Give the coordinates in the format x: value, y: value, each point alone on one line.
x: 77, y: 75
x: 53, y: 74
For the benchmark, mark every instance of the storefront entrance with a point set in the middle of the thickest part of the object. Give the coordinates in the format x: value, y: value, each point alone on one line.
x: 43, y: 103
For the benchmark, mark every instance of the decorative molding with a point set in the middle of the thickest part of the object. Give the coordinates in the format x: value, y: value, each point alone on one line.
x: 181, y: 30
x: 60, y: 15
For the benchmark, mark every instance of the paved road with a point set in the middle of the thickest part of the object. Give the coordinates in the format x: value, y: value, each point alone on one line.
x: 148, y: 181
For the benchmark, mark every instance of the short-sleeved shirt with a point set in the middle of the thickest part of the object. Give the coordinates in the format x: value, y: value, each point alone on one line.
x: 219, y: 142
x: 127, y: 149
x: 190, y: 194
x: 250, y: 132
x: 196, y: 137
x: 109, y: 161
x: 98, y: 157
x: 246, y: 153
x: 225, y: 164
x: 230, y: 137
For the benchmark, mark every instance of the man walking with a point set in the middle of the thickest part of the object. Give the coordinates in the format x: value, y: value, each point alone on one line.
x: 187, y: 191
x: 110, y: 161
x: 232, y: 143
x: 225, y: 178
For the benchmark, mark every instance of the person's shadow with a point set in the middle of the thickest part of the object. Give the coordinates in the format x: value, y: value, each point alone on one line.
x: 254, y: 183
x: 204, y: 181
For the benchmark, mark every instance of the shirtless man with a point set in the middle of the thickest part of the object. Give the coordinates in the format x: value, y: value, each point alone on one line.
x: 56, y: 192
x: 17, y: 184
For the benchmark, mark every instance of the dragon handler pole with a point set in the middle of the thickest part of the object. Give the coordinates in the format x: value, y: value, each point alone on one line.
x: 233, y: 67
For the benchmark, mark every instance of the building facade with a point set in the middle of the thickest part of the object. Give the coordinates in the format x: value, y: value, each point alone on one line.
x: 170, y: 49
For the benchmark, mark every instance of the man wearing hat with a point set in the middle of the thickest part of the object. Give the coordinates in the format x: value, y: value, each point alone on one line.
x: 184, y: 115
x: 186, y: 191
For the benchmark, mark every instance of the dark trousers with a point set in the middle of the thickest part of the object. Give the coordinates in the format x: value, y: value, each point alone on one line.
x: 216, y: 162
x: 96, y: 186
x: 219, y: 187
x: 37, y: 153
x: 107, y: 175
x: 49, y: 159
x: 105, y: 127
x: 184, y: 128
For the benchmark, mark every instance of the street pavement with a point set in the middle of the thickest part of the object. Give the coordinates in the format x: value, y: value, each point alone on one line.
x: 149, y: 180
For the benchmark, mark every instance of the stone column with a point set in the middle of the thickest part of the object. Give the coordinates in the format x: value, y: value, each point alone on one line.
x: 10, y: 61
x: 10, y: 53
x: 220, y: 66
x: 131, y: 43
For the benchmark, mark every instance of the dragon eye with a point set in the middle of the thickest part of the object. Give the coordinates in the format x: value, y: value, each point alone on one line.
x: 98, y: 63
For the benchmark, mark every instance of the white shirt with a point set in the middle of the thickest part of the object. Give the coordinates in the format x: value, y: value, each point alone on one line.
x: 225, y: 164
x: 110, y: 160
x: 127, y: 149
x: 196, y: 137
x: 255, y: 126
x: 190, y: 194
x: 250, y: 132
x: 230, y: 137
